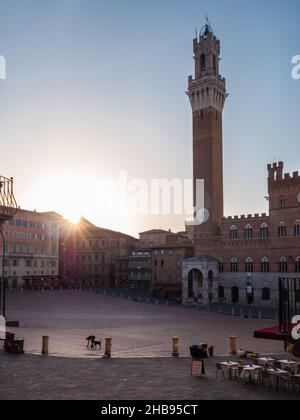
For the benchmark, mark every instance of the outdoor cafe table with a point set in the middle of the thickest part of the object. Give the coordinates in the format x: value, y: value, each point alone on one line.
x: 228, y: 365
x: 250, y: 371
x: 278, y: 373
x: 288, y: 363
x: 265, y: 361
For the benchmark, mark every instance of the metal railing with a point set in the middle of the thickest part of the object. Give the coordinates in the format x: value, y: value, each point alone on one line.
x: 8, y: 209
x: 8, y: 204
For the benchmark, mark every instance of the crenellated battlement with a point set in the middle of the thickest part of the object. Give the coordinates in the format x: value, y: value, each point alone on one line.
x: 244, y: 217
x: 276, y: 174
x: 208, y: 88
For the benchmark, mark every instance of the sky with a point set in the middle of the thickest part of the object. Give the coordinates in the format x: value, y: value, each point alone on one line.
x: 95, y: 88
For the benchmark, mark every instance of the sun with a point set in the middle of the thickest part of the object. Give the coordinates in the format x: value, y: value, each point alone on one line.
x: 73, y: 218
x: 76, y: 195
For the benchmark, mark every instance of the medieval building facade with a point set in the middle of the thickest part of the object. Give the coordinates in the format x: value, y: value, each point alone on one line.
x: 31, y: 249
x: 89, y: 254
x: 239, y: 259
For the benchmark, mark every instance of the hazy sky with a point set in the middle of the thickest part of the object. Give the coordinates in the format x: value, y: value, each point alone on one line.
x: 95, y: 87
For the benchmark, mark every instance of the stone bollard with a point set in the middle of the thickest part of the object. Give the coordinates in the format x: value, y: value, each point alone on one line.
x: 175, y: 347
x: 259, y: 315
x: 45, y: 346
x: 108, y: 346
x: 242, y: 313
x: 233, y: 345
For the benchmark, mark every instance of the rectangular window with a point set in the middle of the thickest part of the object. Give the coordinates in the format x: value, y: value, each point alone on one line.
x: 283, y: 203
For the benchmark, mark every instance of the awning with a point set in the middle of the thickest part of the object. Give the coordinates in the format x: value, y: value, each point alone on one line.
x: 274, y: 333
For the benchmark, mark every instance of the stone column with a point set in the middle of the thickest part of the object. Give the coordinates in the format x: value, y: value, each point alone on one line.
x: 205, y: 290
x: 215, y: 288
x: 184, y: 287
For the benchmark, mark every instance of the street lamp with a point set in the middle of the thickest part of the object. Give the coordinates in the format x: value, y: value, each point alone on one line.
x: 8, y: 209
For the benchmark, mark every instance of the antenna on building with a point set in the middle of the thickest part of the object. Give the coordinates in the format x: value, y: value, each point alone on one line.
x: 196, y: 32
x: 207, y: 27
x: 207, y: 20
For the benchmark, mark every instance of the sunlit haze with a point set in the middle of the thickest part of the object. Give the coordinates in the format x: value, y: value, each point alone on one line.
x: 95, y: 87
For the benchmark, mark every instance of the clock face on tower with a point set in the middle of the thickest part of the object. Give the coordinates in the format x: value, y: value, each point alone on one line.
x: 202, y: 216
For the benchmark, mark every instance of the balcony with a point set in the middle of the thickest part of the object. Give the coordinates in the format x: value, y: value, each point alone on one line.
x: 8, y: 204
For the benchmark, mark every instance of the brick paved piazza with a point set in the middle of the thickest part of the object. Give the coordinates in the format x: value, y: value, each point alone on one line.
x: 54, y: 378
x: 140, y: 331
x: 137, y: 329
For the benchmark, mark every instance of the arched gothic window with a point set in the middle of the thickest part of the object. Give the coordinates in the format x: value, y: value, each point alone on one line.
x: 248, y: 232
x: 297, y: 228
x: 203, y: 62
x: 249, y: 265
x: 265, y: 265
x: 283, y: 265
x: 282, y: 230
x: 233, y: 232
x: 234, y: 266
x: 264, y: 231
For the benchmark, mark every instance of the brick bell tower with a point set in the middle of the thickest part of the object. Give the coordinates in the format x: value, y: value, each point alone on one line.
x: 207, y: 94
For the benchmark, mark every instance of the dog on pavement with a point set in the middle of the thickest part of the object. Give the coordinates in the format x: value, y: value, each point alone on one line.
x: 91, y: 339
x: 97, y: 343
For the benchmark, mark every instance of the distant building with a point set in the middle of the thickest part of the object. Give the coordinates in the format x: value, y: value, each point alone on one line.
x: 31, y: 249
x: 156, y: 269
x: 135, y: 272
x: 167, y: 260
x: 153, y: 237
x: 89, y: 254
x: 239, y: 259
